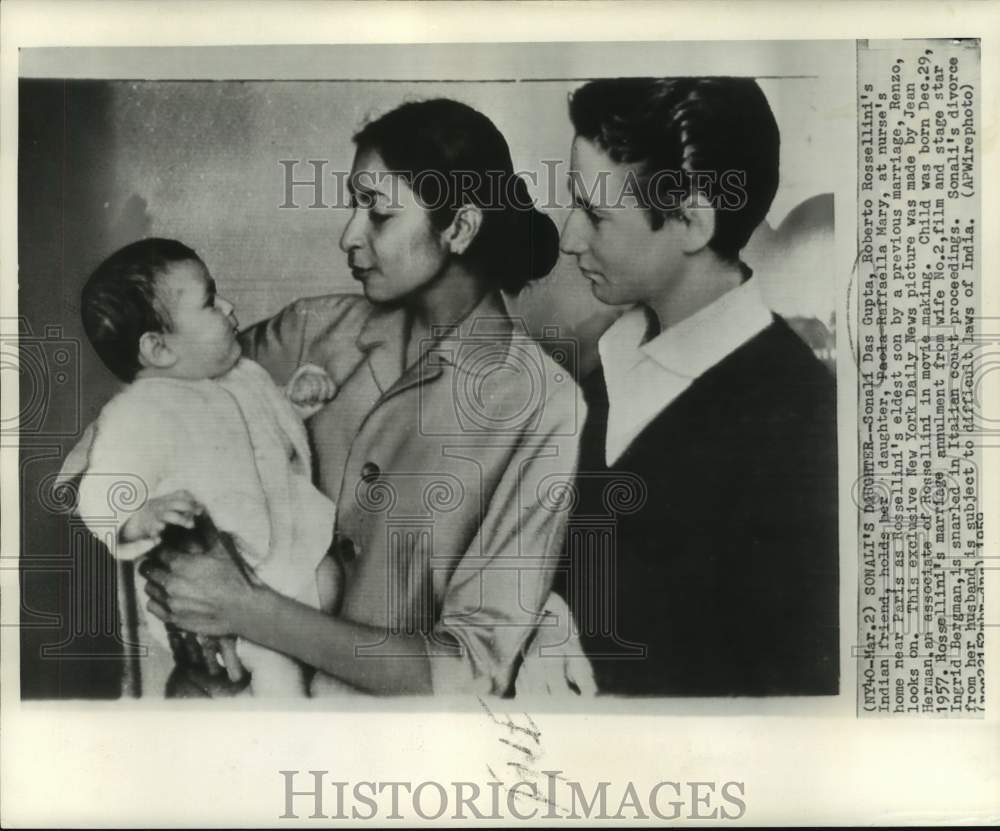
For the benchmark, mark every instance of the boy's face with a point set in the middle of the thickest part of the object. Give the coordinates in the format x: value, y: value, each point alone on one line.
x: 203, y: 328
x: 610, y: 234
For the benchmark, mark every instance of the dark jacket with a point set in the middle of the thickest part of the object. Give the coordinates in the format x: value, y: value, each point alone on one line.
x: 704, y: 561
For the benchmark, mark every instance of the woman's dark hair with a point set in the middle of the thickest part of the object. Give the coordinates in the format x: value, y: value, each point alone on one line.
x: 120, y: 303
x: 451, y: 155
x: 714, y: 135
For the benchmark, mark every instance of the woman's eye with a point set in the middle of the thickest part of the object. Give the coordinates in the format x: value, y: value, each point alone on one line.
x: 378, y: 218
x: 594, y: 218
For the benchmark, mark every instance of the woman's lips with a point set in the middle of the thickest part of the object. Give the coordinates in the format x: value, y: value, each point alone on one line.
x: 360, y: 273
x: 593, y: 276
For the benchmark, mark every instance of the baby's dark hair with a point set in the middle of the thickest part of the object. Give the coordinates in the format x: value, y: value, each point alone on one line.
x: 120, y: 303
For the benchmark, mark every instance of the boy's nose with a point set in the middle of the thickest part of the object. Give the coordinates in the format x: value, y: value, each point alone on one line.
x: 571, y: 239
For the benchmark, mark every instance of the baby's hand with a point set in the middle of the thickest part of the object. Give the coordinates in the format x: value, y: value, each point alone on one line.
x: 177, y: 508
x: 310, y: 388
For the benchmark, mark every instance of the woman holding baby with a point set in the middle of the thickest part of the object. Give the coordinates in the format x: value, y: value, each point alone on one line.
x: 449, y: 439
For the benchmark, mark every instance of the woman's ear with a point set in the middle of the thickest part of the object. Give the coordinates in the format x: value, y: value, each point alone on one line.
x: 463, y: 229
x: 154, y: 352
x: 698, y: 217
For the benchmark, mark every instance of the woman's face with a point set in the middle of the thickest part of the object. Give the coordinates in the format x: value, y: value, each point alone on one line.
x: 391, y: 246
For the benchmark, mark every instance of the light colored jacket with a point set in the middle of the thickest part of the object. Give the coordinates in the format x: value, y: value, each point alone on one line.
x: 450, y: 476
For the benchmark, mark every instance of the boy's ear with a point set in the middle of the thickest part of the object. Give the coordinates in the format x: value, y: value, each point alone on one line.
x: 154, y: 352
x: 463, y: 229
x: 699, y: 222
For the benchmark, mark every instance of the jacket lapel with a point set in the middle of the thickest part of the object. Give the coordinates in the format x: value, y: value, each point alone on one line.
x: 383, y: 338
x: 428, y: 368
x: 385, y: 334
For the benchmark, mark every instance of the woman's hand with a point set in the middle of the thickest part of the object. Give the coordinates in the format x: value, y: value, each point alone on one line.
x: 204, y: 593
x: 211, y: 594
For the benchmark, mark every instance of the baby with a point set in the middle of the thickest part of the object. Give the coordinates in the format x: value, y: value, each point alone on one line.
x: 204, y: 429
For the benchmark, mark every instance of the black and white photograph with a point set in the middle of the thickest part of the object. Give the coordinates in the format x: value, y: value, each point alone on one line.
x: 440, y: 421
x: 622, y: 392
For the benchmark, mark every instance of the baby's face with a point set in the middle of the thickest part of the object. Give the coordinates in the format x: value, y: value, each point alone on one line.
x: 203, y: 327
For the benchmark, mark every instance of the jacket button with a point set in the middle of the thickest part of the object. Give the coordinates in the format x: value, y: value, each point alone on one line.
x: 370, y: 472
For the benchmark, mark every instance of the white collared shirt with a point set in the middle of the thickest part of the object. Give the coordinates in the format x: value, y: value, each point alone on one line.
x: 643, y: 379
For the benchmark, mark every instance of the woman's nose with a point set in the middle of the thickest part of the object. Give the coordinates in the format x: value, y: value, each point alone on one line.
x: 351, y: 238
x: 224, y: 305
x: 571, y: 240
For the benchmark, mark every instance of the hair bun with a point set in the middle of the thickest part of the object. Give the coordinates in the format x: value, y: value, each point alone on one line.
x: 544, y: 245
x: 533, y: 241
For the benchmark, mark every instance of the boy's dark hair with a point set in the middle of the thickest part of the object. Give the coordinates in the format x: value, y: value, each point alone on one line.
x: 120, y: 304
x: 722, y: 127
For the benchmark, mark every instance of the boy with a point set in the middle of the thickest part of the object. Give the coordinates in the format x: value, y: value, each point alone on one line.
x: 721, y: 577
x: 203, y: 429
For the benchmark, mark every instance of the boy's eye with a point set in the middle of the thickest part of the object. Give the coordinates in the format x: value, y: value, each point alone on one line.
x: 588, y: 211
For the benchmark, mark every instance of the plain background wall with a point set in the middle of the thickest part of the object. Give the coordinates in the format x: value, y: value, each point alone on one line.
x: 65, y: 170
x: 104, y: 163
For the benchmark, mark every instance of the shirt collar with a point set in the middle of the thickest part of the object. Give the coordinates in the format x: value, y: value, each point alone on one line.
x: 695, y: 344
x: 619, y: 345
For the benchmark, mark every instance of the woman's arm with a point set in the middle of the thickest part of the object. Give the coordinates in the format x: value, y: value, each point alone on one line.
x: 208, y: 594
x: 318, y: 330
x: 496, y: 593
x: 330, y: 644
